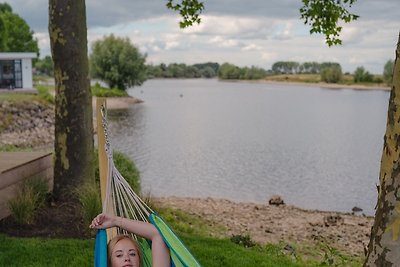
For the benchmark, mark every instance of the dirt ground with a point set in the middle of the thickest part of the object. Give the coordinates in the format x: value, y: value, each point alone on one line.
x: 273, y: 224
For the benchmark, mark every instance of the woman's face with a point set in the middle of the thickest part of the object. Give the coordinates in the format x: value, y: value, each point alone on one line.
x: 125, y: 254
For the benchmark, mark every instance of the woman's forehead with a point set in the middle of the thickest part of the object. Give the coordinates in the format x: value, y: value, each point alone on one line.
x: 124, y: 244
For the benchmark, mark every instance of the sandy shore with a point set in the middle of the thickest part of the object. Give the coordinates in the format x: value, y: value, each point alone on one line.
x: 273, y: 224
x: 118, y: 102
x: 320, y: 85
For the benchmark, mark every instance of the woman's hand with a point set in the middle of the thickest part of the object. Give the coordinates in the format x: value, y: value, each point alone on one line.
x: 103, y: 221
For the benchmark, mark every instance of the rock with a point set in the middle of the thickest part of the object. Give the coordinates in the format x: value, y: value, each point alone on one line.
x: 288, y: 249
x: 26, y: 124
x: 276, y: 200
x: 333, y: 220
x: 356, y: 209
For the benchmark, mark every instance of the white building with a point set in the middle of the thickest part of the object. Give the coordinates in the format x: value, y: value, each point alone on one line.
x: 16, y: 70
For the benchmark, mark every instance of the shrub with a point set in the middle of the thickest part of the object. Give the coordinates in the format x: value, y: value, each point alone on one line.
x: 388, y: 71
x: 22, y: 207
x: 331, y: 74
x: 243, y: 240
x: 89, y: 197
x: 40, y: 188
x: 8, y: 148
x: 99, y: 91
x: 30, y: 197
x: 361, y: 75
x: 44, y: 94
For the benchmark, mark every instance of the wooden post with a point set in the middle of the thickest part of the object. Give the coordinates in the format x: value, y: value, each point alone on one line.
x: 103, y: 164
x: 103, y: 161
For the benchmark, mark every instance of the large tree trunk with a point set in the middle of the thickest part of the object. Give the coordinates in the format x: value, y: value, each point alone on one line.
x: 384, y: 245
x: 73, y: 160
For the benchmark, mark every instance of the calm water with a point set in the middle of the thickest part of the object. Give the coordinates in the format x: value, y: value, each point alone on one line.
x: 317, y: 148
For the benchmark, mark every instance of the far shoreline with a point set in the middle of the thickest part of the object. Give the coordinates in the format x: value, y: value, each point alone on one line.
x: 322, y: 85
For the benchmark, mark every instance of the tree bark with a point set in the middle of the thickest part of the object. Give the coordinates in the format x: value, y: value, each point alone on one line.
x: 73, y: 159
x: 384, y: 245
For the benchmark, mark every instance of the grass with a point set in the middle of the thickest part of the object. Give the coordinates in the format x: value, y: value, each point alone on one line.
x: 304, y: 78
x: 194, y: 231
x: 71, y: 252
x: 13, y: 148
x: 222, y: 252
x: 38, y: 252
x: 19, y: 98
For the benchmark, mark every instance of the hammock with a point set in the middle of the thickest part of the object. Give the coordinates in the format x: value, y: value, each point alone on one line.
x: 122, y: 201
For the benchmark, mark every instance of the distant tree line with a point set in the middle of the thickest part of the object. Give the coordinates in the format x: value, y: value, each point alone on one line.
x: 230, y: 71
x: 122, y: 72
x: 175, y: 70
x: 330, y: 72
x: 292, y: 67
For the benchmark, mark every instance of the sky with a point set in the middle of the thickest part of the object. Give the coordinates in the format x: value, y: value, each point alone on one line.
x: 245, y: 33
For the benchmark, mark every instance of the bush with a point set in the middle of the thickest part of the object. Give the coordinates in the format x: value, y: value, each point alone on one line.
x: 243, y: 240
x: 22, y: 207
x: 388, y: 71
x: 361, y: 75
x: 40, y: 187
x: 89, y: 197
x: 28, y: 200
x: 331, y: 74
x: 117, y: 62
x: 99, y: 91
x: 44, y: 94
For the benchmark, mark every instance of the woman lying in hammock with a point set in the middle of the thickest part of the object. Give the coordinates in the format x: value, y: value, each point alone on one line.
x: 124, y: 251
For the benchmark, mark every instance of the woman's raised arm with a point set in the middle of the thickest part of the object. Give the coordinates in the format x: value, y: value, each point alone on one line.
x: 159, y: 249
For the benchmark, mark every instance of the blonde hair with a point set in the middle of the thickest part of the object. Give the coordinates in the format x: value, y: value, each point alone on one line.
x: 118, y: 238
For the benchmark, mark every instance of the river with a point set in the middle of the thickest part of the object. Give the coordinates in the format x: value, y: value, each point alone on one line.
x: 317, y: 148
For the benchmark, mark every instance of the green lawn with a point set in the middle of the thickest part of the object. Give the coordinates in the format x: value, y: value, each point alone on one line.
x: 38, y: 252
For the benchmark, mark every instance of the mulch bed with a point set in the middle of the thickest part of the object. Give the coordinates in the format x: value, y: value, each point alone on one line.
x: 58, y: 219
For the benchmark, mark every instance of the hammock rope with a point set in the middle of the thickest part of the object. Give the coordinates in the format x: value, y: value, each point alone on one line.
x: 121, y: 200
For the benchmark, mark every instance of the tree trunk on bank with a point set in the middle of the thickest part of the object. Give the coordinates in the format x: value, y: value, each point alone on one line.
x: 73, y: 159
x: 384, y: 245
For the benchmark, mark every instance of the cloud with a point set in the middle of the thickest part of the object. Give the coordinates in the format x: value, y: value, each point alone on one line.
x: 223, y: 42
x: 254, y: 32
x: 252, y: 47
